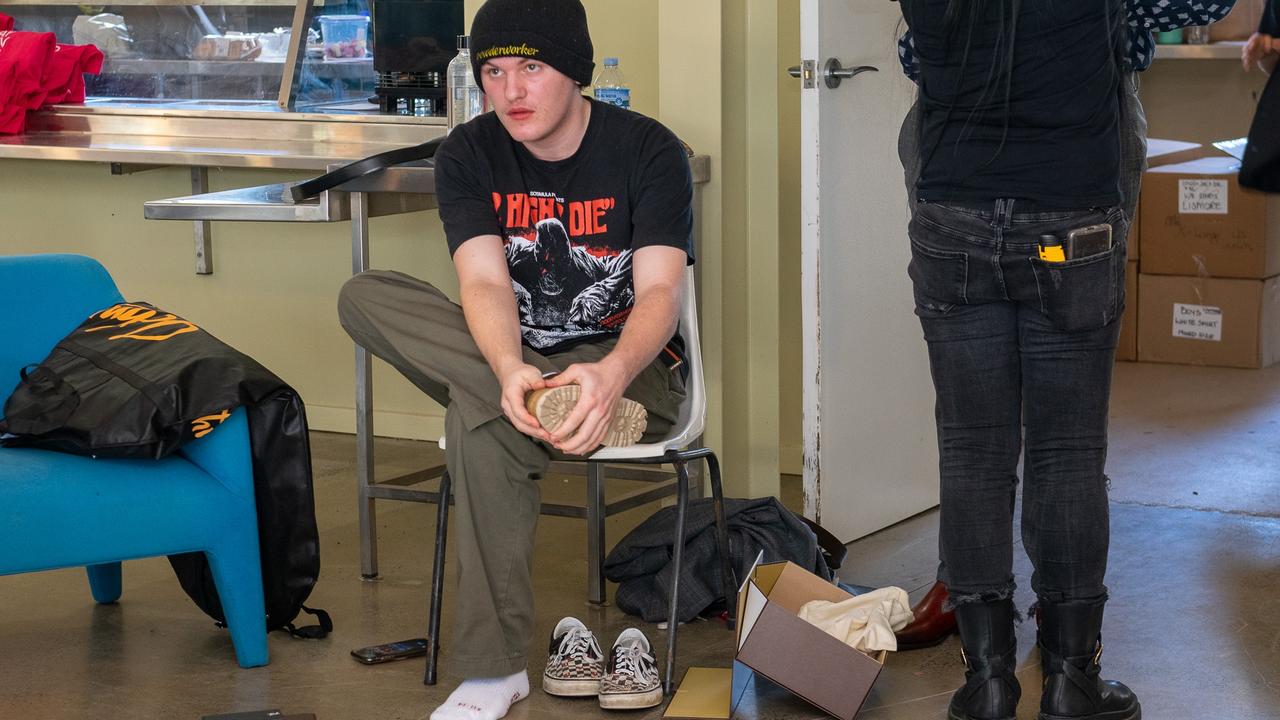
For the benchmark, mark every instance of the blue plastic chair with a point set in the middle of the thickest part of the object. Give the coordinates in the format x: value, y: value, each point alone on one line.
x: 59, y: 510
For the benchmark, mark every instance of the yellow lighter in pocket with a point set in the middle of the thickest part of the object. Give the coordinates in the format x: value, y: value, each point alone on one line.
x: 1051, y: 249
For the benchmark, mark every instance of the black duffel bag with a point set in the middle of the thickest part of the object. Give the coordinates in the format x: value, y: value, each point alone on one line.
x: 134, y: 381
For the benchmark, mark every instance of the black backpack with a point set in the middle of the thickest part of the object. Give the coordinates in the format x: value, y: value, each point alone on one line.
x: 92, y: 396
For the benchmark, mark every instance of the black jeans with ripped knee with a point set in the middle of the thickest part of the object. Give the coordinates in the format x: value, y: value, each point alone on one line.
x: 1020, y: 349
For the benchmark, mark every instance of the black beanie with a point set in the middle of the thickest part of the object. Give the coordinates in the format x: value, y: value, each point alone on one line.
x: 550, y: 31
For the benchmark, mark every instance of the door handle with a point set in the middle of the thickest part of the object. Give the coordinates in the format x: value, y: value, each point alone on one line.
x: 834, y: 73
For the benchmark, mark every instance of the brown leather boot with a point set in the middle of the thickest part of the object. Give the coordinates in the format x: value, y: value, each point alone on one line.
x: 932, y: 624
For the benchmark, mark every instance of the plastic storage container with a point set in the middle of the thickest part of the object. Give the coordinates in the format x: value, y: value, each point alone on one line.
x: 345, y: 37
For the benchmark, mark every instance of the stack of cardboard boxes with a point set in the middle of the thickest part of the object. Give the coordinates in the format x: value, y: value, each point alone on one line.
x: 1208, y: 256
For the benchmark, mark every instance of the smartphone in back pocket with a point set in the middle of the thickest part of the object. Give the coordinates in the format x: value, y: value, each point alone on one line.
x: 1088, y: 241
x: 387, y: 652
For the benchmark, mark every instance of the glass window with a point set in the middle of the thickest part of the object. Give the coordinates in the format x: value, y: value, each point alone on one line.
x: 232, y: 50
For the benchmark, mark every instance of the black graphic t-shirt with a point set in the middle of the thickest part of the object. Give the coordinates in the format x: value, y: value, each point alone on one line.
x: 570, y: 227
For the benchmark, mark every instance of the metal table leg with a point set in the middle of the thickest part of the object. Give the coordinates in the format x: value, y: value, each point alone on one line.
x: 364, y: 401
x: 595, y: 533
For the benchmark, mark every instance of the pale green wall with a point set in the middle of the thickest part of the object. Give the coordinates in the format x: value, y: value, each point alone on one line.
x: 274, y: 286
x: 790, y: 348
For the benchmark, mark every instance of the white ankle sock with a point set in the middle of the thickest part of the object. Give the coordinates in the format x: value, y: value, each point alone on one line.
x: 484, y: 698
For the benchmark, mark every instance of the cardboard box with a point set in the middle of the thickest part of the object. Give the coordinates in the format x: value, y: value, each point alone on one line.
x: 1198, y: 221
x: 1127, y: 349
x: 774, y: 643
x: 1208, y: 321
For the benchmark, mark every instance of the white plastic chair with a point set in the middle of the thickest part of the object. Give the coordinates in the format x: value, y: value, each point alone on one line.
x: 672, y: 449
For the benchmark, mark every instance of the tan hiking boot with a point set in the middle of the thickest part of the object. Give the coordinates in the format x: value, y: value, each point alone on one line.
x: 552, y: 405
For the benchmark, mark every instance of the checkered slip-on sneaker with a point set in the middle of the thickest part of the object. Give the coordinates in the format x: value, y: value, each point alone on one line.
x: 631, y: 679
x: 575, y: 663
x: 553, y: 405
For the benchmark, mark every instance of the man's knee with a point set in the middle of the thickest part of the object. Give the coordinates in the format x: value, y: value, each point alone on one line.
x: 356, y: 294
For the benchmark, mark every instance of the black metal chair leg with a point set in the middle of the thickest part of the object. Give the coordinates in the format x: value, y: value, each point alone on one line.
x: 727, y: 579
x: 673, y: 619
x: 437, y: 580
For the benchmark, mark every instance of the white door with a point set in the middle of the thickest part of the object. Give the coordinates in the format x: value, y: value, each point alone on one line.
x: 871, y: 455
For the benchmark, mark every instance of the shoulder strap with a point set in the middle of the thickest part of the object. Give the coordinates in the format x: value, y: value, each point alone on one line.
x: 312, y: 632
x: 139, y: 383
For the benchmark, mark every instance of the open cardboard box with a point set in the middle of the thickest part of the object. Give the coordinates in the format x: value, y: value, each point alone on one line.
x: 774, y: 643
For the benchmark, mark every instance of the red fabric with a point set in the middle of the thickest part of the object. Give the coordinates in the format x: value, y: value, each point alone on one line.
x: 36, y: 71
x: 25, y: 54
x: 64, y: 75
x: 13, y: 119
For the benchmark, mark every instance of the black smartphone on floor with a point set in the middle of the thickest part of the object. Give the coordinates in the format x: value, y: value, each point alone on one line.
x: 387, y: 652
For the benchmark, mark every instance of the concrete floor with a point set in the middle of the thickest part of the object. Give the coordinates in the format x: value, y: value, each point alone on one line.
x: 1192, y: 627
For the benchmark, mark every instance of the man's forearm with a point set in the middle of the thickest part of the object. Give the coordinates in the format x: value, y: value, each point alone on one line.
x: 491, y: 316
x: 650, y: 326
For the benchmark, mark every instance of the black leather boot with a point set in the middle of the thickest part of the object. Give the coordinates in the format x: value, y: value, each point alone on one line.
x: 991, y: 690
x: 1070, y: 647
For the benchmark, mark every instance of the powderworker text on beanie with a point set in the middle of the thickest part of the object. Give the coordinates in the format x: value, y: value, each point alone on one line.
x: 549, y: 31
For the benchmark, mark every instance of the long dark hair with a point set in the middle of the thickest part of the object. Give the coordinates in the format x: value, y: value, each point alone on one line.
x: 960, y: 20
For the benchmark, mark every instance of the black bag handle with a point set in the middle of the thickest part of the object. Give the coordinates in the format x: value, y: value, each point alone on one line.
x: 361, y: 168
x: 312, y: 632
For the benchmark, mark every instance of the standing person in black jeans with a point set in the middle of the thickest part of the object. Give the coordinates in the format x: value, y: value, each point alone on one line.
x: 1020, y: 138
x: 933, y: 620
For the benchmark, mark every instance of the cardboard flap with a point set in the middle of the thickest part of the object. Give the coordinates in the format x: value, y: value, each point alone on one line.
x: 704, y: 694
x: 754, y: 604
x: 1157, y: 147
x: 766, y: 576
x: 798, y: 586
x: 742, y: 595
x: 1234, y: 148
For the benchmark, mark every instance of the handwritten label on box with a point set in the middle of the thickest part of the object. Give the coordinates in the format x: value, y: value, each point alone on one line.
x: 1203, y: 197
x: 1197, y: 322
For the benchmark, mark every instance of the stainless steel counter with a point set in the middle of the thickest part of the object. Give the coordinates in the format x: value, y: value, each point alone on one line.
x: 206, y: 134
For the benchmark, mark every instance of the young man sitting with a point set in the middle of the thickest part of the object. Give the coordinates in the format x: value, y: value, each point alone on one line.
x: 569, y: 222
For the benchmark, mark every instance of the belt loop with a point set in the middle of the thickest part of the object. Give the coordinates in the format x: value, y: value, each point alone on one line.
x: 1008, y: 213
x: 997, y: 215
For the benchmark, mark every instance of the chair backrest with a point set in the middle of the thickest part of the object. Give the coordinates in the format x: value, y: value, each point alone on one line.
x: 46, y: 297
x: 693, y: 412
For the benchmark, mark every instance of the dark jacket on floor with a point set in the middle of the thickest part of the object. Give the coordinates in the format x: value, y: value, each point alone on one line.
x: 641, y: 562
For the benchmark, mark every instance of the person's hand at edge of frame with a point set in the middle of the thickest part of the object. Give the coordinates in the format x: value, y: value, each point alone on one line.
x: 1261, y: 51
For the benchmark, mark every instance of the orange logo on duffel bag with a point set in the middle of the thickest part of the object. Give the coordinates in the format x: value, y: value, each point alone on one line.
x: 204, y: 425
x: 147, y: 323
